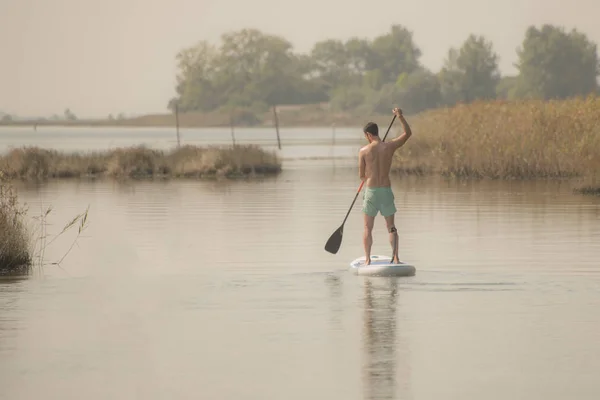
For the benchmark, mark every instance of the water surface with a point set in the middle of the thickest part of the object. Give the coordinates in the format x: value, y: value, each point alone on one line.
x: 296, y: 143
x: 208, y: 289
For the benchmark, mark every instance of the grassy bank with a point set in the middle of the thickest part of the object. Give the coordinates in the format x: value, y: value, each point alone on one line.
x: 507, y: 140
x: 140, y: 162
x: 15, y: 256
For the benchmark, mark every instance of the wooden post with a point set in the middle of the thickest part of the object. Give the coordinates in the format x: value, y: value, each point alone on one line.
x: 231, y: 122
x: 333, y: 134
x: 276, y: 127
x: 177, y: 124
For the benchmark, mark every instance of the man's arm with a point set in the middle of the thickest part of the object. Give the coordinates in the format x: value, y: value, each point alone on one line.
x: 361, y: 165
x: 400, y: 140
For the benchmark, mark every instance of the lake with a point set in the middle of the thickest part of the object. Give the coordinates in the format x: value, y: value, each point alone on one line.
x: 222, y: 290
x: 297, y: 143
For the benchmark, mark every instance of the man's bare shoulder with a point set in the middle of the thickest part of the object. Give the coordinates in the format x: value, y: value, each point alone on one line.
x: 365, y: 149
x: 390, y: 146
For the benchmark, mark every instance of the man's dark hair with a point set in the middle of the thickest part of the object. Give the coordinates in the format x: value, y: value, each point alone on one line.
x: 371, y: 128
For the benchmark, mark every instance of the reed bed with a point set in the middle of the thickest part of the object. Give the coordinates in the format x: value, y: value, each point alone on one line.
x: 507, y: 140
x: 32, y: 163
x: 15, y: 255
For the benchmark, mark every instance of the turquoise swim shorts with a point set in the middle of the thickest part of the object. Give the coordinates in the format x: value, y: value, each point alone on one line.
x: 378, y: 199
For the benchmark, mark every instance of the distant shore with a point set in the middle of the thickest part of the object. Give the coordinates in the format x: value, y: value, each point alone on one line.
x: 314, y: 115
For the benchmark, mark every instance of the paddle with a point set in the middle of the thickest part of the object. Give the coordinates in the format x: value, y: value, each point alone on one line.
x: 335, y: 240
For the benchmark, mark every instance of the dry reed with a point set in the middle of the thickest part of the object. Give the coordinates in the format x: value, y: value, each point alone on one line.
x: 15, y: 256
x: 20, y: 249
x: 507, y: 140
x: 139, y: 162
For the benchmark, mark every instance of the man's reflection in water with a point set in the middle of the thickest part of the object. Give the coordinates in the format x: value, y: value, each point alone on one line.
x: 379, y: 341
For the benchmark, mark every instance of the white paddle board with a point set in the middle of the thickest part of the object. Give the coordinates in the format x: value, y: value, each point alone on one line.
x: 381, y: 266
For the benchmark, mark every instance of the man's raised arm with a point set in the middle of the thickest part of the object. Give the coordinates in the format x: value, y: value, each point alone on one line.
x: 400, y: 140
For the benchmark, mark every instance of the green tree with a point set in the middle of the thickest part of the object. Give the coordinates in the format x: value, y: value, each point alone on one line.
x: 414, y: 92
x: 555, y: 64
x: 358, y: 52
x: 261, y: 66
x: 336, y: 64
x: 470, y: 73
x: 69, y: 115
x: 451, y: 80
x: 197, y: 69
x: 392, y: 54
x: 507, y: 87
x: 331, y: 63
x: 249, y: 68
x: 348, y: 97
x: 418, y: 91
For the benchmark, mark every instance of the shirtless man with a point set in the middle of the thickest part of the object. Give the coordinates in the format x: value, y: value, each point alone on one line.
x: 374, y: 162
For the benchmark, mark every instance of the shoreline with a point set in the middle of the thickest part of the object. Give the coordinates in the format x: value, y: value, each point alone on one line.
x: 310, y: 115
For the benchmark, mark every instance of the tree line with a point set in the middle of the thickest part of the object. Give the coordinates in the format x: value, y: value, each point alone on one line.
x: 255, y: 70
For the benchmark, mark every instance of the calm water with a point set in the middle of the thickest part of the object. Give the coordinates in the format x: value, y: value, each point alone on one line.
x: 297, y: 143
x: 222, y: 290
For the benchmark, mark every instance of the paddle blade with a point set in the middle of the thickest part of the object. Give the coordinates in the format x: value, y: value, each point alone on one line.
x: 335, y: 240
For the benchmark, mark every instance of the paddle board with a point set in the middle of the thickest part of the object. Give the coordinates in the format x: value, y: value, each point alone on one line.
x: 381, y: 266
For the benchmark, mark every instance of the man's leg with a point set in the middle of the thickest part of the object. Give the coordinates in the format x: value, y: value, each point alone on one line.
x: 368, y: 237
x: 389, y: 221
x: 388, y: 210
x: 370, y: 212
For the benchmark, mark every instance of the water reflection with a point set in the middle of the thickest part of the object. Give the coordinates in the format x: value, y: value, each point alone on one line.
x: 379, y: 340
x: 337, y: 308
x: 10, y: 291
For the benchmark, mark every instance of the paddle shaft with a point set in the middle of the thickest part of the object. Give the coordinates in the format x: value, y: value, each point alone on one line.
x: 363, y: 182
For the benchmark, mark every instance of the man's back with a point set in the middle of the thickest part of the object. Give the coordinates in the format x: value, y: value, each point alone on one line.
x: 378, y: 158
x: 375, y: 159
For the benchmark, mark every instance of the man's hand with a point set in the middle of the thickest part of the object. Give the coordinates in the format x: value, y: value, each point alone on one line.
x: 398, y: 112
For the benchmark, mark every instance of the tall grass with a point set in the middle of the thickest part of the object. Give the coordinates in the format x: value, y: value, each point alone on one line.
x: 507, y: 140
x: 20, y: 248
x: 139, y: 162
x: 15, y: 255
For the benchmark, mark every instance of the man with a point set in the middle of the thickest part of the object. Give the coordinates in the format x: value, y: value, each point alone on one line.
x: 374, y: 162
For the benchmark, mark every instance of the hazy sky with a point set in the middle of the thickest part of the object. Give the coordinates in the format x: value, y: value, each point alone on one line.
x: 109, y: 56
